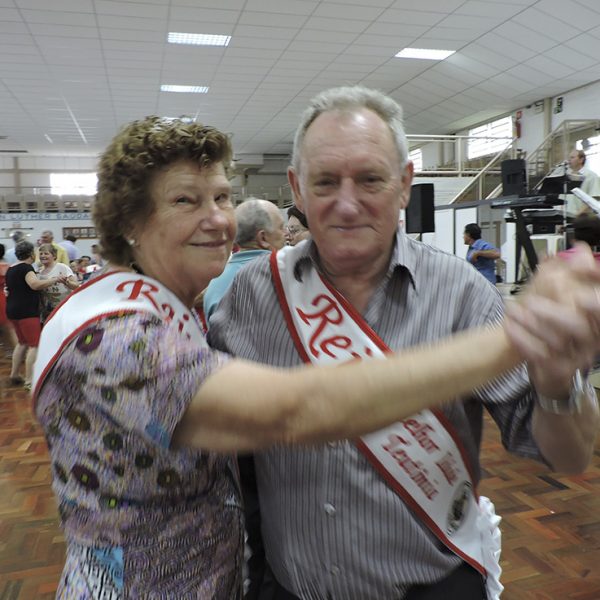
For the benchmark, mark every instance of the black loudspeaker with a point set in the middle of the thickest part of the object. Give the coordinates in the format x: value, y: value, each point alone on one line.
x: 514, y: 177
x: 537, y: 228
x: 419, y: 214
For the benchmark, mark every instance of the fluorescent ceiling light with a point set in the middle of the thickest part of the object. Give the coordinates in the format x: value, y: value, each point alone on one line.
x: 190, y: 89
x: 199, y: 39
x: 424, y: 53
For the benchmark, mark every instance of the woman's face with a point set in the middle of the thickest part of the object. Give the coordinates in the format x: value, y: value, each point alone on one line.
x: 295, y: 231
x: 46, y: 258
x: 187, y: 240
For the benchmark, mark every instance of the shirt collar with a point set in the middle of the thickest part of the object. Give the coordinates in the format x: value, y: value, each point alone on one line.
x: 404, y: 258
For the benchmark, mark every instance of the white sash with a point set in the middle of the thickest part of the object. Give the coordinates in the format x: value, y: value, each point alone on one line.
x: 421, y: 458
x: 110, y: 294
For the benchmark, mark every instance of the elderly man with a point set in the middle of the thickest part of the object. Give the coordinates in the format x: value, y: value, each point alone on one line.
x: 590, y: 184
x: 260, y: 230
x: 395, y: 514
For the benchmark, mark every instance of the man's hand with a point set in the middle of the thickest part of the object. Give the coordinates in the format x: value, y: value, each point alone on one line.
x: 556, y: 325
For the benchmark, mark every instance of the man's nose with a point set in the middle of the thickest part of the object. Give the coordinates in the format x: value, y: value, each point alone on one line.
x: 348, y: 200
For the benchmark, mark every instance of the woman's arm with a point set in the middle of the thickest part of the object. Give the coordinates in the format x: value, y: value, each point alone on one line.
x: 246, y: 406
x: 71, y: 282
x: 37, y: 284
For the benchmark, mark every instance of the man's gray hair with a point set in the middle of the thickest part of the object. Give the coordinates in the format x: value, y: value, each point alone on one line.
x: 17, y: 236
x: 352, y: 98
x: 251, y: 217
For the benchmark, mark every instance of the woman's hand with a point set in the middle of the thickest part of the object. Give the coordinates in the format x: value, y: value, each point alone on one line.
x: 556, y: 324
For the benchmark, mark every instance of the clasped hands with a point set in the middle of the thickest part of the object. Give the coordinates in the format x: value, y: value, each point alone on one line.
x: 555, y: 325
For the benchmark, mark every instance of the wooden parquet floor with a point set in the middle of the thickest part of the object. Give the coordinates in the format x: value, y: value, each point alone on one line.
x: 551, y: 523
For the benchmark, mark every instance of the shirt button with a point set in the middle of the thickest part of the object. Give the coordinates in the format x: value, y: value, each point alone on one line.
x: 334, y: 570
x: 329, y: 509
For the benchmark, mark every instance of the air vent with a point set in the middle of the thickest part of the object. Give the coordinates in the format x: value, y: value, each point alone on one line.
x: 14, y: 151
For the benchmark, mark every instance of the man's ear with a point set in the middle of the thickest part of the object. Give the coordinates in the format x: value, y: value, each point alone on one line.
x: 261, y: 240
x: 406, y: 181
x: 294, y: 182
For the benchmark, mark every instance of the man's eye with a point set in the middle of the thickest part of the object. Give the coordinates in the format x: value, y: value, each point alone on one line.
x: 223, y: 199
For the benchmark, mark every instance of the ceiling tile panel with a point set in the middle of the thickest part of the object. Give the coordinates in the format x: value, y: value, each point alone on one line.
x: 273, y: 19
x: 580, y: 14
x: 131, y: 9
x: 586, y: 44
x: 440, y: 6
x: 293, y: 7
x: 570, y: 58
x: 507, y: 47
x: 334, y: 10
x: 62, y: 30
x: 552, y: 27
x: 521, y: 36
x: 330, y: 24
x: 58, y: 5
x: 548, y: 66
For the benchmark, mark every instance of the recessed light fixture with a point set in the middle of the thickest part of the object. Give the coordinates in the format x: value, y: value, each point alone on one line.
x: 424, y: 53
x: 198, y: 39
x: 183, y: 89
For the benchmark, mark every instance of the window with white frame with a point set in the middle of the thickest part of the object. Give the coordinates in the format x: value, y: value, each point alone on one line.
x: 490, y: 138
x: 416, y: 156
x: 63, y: 184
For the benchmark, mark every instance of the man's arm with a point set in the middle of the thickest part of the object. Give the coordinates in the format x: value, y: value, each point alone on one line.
x: 486, y: 251
x: 555, y: 343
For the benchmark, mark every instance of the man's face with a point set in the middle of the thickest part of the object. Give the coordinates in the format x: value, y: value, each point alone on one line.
x: 46, y: 237
x: 575, y: 162
x: 351, y: 188
x: 466, y: 238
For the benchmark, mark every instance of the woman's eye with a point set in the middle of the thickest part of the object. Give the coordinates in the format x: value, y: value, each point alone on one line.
x: 182, y: 200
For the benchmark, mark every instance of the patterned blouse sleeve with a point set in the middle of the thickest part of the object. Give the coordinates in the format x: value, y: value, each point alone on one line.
x: 137, y: 370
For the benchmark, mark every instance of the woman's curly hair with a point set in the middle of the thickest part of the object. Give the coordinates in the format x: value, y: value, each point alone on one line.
x: 127, y: 166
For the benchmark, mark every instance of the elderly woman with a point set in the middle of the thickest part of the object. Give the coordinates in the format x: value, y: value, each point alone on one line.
x: 23, y: 309
x: 297, y: 226
x: 53, y: 295
x: 142, y: 417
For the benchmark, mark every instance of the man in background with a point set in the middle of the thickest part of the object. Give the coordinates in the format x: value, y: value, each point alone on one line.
x: 69, y: 245
x: 481, y: 254
x: 590, y: 182
x: 9, y: 257
x: 260, y: 230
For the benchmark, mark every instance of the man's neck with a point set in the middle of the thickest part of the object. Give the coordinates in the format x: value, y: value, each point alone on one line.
x: 357, y: 286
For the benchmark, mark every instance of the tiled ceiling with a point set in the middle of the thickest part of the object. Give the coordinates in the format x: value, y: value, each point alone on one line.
x: 73, y: 71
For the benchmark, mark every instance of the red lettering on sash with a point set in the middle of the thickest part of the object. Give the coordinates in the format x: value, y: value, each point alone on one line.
x: 447, y: 465
x: 139, y: 287
x: 421, y: 432
x: 413, y: 469
x: 330, y: 313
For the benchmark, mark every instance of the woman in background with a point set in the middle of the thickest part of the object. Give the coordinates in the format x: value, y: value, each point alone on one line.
x: 54, y: 294
x: 6, y: 330
x: 23, y: 310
